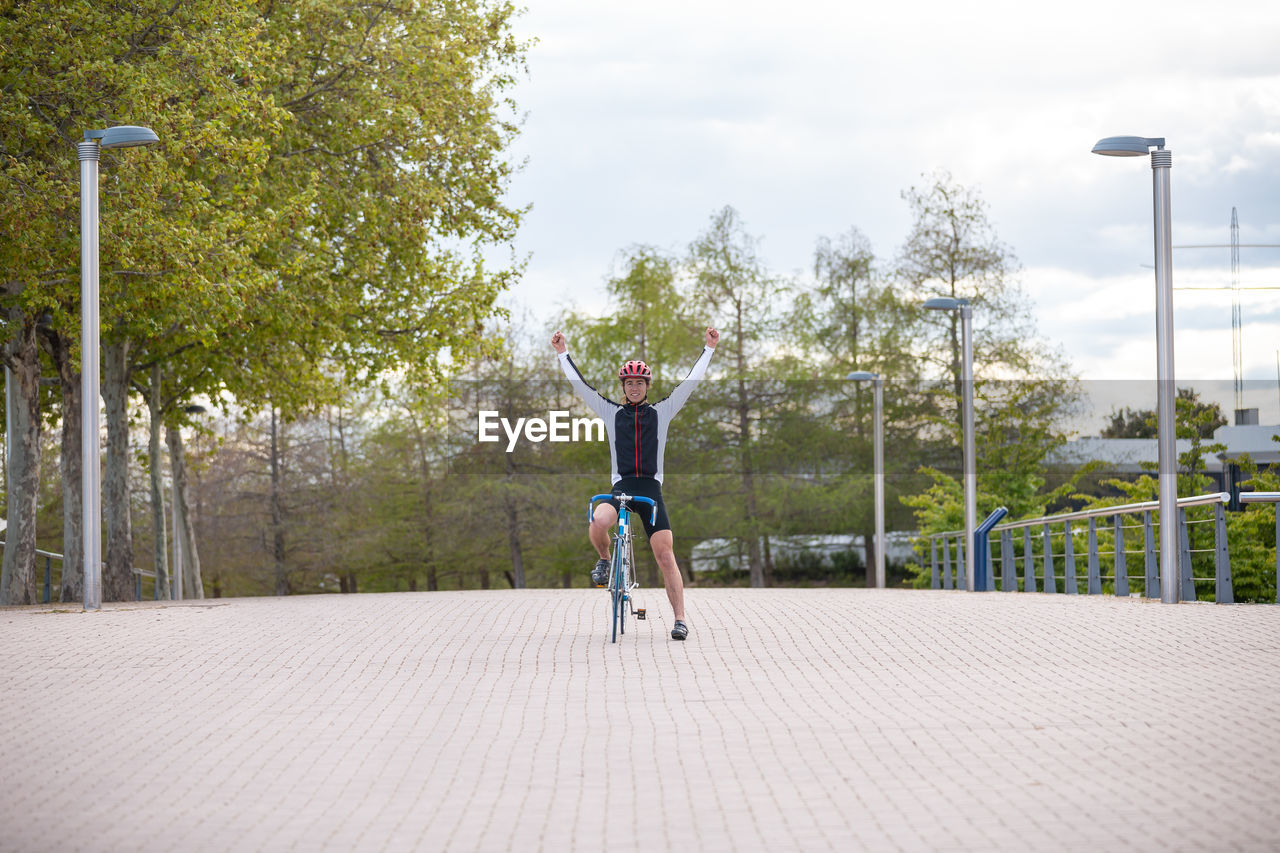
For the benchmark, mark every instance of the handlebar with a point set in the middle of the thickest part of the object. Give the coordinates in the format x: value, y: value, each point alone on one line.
x: 624, y: 499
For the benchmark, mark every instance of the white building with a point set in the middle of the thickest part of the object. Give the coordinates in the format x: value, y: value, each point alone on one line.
x: 708, y: 554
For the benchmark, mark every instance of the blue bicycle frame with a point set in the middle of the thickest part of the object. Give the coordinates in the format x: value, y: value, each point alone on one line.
x: 622, y: 563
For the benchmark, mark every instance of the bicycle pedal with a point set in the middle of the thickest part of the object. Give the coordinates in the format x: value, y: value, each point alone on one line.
x: 639, y: 612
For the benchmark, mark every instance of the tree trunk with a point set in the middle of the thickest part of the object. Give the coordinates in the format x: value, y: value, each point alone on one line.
x: 117, y: 574
x: 72, y: 469
x: 513, y: 539
x: 768, y: 561
x: 183, y: 531
x: 22, y: 357
x: 513, y: 530
x: 198, y: 519
x: 869, y: 552
x: 159, y: 554
x: 337, y: 558
x: 424, y: 465
x: 277, y: 514
x: 755, y: 558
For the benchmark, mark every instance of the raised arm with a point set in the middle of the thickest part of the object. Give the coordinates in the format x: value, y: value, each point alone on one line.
x: 677, y: 398
x: 595, y: 401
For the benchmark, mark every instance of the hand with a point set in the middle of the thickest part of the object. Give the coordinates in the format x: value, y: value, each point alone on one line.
x: 712, y: 337
x: 557, y: 341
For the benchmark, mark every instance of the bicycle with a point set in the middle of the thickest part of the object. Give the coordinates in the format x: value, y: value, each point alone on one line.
x: 622, y: 560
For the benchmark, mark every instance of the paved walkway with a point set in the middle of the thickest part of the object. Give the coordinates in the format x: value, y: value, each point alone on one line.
x: 791, y: 720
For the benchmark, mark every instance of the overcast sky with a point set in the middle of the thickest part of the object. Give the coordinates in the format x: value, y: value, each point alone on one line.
x: 811, y: 117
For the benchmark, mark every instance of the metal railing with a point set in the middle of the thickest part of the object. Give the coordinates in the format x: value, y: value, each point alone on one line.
x: 1044, y: 530
x: 47, y: 592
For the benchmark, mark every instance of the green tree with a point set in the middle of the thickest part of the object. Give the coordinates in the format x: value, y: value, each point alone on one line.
x: 746, y: 300
x: 308, y: 205
x: 1141, y: 423
x: 647, y: 318
x: 953, y: 251
x: 1023, y: 392
x: 1252, y: 534
x: 172, y: 217
x: 851, y: 319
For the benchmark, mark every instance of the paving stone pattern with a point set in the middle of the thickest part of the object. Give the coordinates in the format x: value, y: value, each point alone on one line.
x: 790, y: 720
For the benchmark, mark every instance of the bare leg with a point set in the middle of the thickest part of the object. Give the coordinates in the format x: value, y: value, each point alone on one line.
x: 664, y: 552
x: 602, y: 522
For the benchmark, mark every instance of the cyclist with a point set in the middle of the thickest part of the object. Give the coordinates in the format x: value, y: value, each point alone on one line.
x: 637, y: 431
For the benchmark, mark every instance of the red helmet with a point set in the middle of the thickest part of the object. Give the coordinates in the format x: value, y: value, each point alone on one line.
x: 635, y: 370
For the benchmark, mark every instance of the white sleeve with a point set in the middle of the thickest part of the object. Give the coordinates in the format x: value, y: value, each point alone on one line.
x: 596, y: 401
x: 677, y: 398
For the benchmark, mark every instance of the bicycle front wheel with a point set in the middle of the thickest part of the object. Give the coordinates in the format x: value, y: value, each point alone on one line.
x: 615, y: 589
x: 624, y: 587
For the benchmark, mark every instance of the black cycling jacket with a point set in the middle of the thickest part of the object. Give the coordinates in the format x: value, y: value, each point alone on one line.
x: 637, y: 433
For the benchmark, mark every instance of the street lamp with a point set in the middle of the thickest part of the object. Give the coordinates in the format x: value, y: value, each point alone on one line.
x: 1161, y: 163
x: 947, y: 303
x: 877, y: 385
x: 123, y: 136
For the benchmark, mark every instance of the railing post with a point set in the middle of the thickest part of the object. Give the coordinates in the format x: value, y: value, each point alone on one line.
x: 1223, y: 591
x: 946, y: 563
x: 991, y: 569
x: 137, y: 587
x: 1050, y: 583
x: 1187, y: 582
x: 1276, y: 508
x: 933, y: 563
x: 1122, y: 571
x: 1008, y: 565
x: 1028, y: 562
x: 48, y: 579
x: 1149, y: 556
x: 1095, y: 572
x: 1068, y: 561
x: 962, y: 576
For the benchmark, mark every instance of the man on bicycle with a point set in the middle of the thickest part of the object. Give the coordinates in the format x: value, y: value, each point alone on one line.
x: 637, y: 431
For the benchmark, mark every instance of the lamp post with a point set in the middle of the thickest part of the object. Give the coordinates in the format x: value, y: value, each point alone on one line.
x: 877, y: 385
x: 1166, y: 424
x: 948, y: 303
x: 123, y: 136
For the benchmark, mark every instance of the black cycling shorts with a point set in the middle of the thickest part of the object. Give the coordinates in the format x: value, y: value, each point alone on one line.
x: 645, y: 487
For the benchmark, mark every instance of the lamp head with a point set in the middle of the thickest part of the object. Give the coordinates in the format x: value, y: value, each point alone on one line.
x: 945, y: 303
x: 1127, y: 146
x: 123, y: 136
x: 862, y: 376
